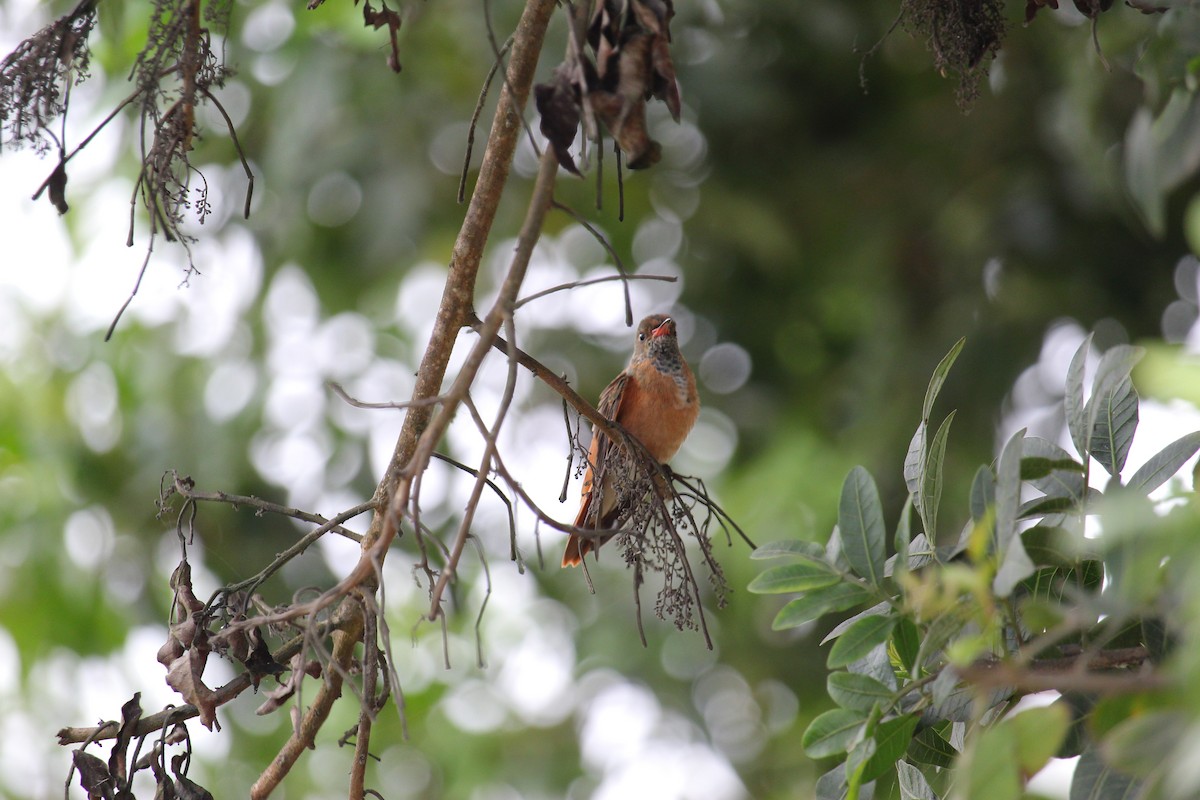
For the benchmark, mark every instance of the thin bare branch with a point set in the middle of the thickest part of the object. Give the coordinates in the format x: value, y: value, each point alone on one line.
x: 607, y: 245
x: 483, y: 93
x: 512, y: 522
x: 237, y: 146
x: 501, y: 313
x: 1102, y: 674
x: 562, y: 287
x: 344, y: 641
x: 349, y: 399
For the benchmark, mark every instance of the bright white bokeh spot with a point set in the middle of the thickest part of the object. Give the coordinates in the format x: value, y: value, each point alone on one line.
x: 405, y: 771
x: 92, y: 406
x: 657, y: 296
x: 418, y: 298
x: 291, y: 304
x: 657, y: 238
x: 536, y: 676
x: 334, y: 199
x: 731, y: 714
x: 214, y: 302
x: 686, y: 657
x: 710, y: 445
x: 725, y: 368
x: 10, y: 664
x: 229, y: 389
x: 1054, y: 779
x: 89, y: 536
x: 448, y: 148
x: 779, y: 703
x: 294, y: 403
x: 235, y: 98
x: 474, y: 706
x: 384, y: 380
x: 268, y: 27
x: 617, y: 724
x: 344, y: 345
x: 271, y: 69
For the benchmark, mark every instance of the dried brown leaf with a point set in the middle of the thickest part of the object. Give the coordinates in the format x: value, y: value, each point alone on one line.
x: 131, y: 712
x: 280, y: 695
x: 558, y: 104
x: 57, y: 184
x: 260, y: 662
x: 93, y: 776
x: 1034, y: 6
x: 185, y: 676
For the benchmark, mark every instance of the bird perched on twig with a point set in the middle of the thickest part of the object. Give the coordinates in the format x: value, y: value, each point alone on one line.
x: 655, y: 401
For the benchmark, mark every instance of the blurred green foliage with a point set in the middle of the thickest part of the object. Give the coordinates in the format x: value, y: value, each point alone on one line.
x: 843, y: 234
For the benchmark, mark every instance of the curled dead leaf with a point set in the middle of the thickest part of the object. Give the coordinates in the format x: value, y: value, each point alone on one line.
x: 93, y: 776
x: 185, y: 676
x: 629, y: 64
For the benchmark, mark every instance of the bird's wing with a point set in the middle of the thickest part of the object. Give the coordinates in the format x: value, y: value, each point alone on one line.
x: 611, y: 400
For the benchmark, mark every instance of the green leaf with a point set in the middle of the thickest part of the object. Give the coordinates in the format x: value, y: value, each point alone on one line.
x: 832, y: 786
x: 1116, y: 421
x: 1112, y: 396
x: 860, y: 520
x: 931, y: 485
x: 939, y: 377
x: 1034, y: 467
x: 907, y: 640
x: 1095, y: 780
x: 803, y: 576
x: 913, y: 785
x: 856, y: 763
x: 1049, y: 546
x: 945, y: 626
x: 891, y: 742
x: 1138, y: 745
x: 903, y: 536
x: 983, y: 493
x: 859, y: 639
x: 1015, y: 567
x: 991, y: 765
x: 856, y: 692
x: 1077, y: 421
x: 1052, y: 584
x: 819, y: 602
x: 1047, y: 506
x: 791, y: 547
x: 1008, y: 490
x: 914, y: 459
x: 1164, y: 464
x: 831, y: 733
x: 844, y: 625
x: 928, y: 747
x: 1051, y: 469
x: 1038, y: 733
x: 1079, y: 706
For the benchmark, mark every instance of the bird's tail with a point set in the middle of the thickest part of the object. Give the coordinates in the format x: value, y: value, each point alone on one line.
x: 577, y: 546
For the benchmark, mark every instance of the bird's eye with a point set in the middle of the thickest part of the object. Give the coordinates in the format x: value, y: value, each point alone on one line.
x: 641, y: 337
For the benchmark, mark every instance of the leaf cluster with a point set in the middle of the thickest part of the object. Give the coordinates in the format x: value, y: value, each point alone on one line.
x: 1026, y: 598
x: 618, y: 57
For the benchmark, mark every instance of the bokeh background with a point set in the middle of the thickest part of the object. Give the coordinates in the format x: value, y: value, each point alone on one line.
x: 835, y: 220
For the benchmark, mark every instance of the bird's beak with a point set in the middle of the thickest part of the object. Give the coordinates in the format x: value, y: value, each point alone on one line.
x: 668, y: 326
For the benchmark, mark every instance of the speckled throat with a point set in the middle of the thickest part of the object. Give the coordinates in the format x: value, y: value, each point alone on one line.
x: 664, y: 353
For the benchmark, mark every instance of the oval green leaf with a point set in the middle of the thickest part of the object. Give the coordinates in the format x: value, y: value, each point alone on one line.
x: 831, y: 733
x: 856, y: 692
x: 859, y: 639
x: 860, y: 520
x: 803, y: 576
x: 819, y: 602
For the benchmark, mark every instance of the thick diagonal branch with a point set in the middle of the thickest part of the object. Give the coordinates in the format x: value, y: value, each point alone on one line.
x: 458, y: 296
